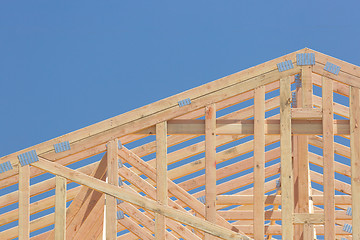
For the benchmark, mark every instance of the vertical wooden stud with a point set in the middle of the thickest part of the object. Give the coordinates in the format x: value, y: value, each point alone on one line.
x: 328, y: 157
x: 304, y: 204
x: 161, y: 177
x: 355, y: 159
x: 24, y: 202
x: 287, y: 192
x: 259, y: 163
x: 60, y: 208
x: 210, y: 165
x: 112, y: 173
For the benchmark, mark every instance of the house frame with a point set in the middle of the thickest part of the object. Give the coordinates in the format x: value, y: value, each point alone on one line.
x: 269, y: 194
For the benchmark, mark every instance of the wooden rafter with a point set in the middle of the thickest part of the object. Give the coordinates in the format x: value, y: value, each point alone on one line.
x: 216, y: 182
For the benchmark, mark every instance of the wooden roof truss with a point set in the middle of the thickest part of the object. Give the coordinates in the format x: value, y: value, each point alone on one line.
x: 269, y: 151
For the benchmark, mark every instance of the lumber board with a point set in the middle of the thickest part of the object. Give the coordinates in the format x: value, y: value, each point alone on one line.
x: 24, y: 202
x: 328, y: 152
x: 210, y: 165
x: 355, y: 158
x: 287, y: 192
x: 276, y: 200
x: 161, y: 178
x: 60, y: 208
x: 112, y: 178
x: 303, y: 179
x: 311, y: 126
x: 259, y: 163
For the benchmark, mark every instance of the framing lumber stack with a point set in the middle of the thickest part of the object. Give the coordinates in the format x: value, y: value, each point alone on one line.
x: 253, y: 155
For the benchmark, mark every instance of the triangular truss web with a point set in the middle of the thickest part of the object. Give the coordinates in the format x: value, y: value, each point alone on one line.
x: 263, y: 153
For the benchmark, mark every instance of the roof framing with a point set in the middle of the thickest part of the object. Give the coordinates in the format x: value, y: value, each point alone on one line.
x: 280, y: 160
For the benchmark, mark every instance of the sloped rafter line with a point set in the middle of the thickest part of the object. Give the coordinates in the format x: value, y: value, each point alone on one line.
x: 338, y: 87
x: 151, y: 192
x: 136, y: 229
x: 10, y: 177
x: 198, y: 148
x: 242, y: 181
x: 220, y: 156
x: 117, y: 192
x: 346, y: 67
x: 269, y: 103
x: 339, y: 148
x: 339, y: 109
x: 339, y: 185
x: 7, y: 180
x: 339, y: 167
x: 160, y: 111
x: 229, y: 170
x: 177, y: 191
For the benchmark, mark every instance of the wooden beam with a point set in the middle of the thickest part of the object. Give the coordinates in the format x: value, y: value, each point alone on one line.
x: 148, y: 204
x: 304, y: 183
x: 328, y: 159
x: 287, y: 192
x: 112, y: 162
x: 276, y: 200
x: 210, y: 165
x: 355, y: 158
x: 306, y: 113
x: 60, y: 208
x: 161, y: 178
x: 309, y: 218
x: 311, y: 126
x: 24, y: 202
x: 259, y: 163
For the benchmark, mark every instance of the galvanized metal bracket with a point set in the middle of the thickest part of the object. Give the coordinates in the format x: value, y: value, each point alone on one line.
x: 293, y: 100
x: 120, y: 146
x: 5, y: 166
x: 298, y: 82
x: 201, y: 199
x: 349, y: 211
x: 347, y: 228
x: 120, y: 182
x: 120, y: 215
x: 28, y: 157
x: 62, y: 147
x: 184, y: 102
x: 330, y: 67
x: 303, y: 59
x: 120, y: 164
x: 286, y: 65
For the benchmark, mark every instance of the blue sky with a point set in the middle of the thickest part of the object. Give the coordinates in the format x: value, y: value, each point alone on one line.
x: 66, y: 65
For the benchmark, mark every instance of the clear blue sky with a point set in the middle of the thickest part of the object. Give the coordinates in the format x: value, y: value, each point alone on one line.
x: 64, y: 66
